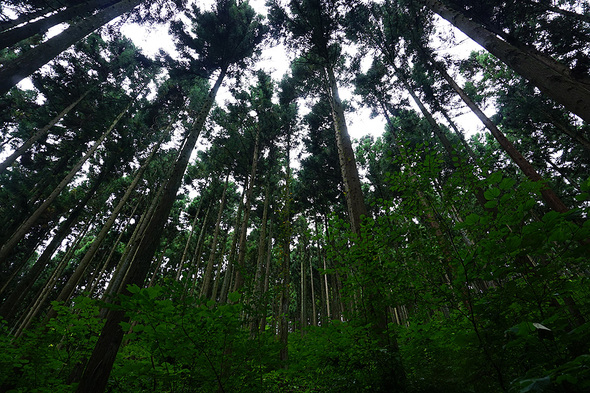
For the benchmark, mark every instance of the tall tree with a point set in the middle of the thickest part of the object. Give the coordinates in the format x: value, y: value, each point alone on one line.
x: 229, y: 22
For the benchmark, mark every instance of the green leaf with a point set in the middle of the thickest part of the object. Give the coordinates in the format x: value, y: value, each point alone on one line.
x: 492, y: 193
x: 472, y: 219
x: 507, y: 184
x: 234, y: 297
x: 491, y: 204
x: 495, y: 177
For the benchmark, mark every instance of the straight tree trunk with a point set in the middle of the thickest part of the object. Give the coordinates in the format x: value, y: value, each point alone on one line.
x: 101, y: 361
x: 227, y: 284
x: 11, y: 37
x: 32, y: 220
x: 209, y: 269
x: 248, y: 206
x: 355, y: 201
x: 25, y: 146
x: 550, y: 76
x: 10, y: 305
x: 72, y: 282
x: 24, y: 65
x: 48, y: 287
x: 552, y: 200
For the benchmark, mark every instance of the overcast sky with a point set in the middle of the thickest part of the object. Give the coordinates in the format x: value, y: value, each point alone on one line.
x: 275, y: 61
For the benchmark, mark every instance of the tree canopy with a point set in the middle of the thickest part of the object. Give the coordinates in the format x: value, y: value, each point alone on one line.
x: 193, y: 222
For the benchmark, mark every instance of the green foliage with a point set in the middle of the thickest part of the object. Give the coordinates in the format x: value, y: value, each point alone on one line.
x: 47, y: 358
x: 189, y: 345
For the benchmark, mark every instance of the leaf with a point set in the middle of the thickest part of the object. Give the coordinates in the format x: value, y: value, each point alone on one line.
x: 491, y: 204
x: 472, y: 219
x: 492, y: 193
x: 495, y: 177
x: 507, y: 184
x: 535, y: 385
x: 234, y: 297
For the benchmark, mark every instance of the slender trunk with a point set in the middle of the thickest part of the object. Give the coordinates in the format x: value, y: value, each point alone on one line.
x: 13, y: 36
x: 101, y: 361
x: 24, y: 65
x: 227, y: 280
x: 285, y: 238
x: 10, y: 305
x: 72, y: 282
x: 550, y: 76
x: 32, y: 220
x: 552, y: 200
x: 188, y: 242
x: 48, y: 287
x: 209, y: 269
x: 314, y: 316
x: 39, y: 134
x: 196, y: 259
x: 242, y: 247
x: 355, y: 201
x: 215, y: 290
x: 266, y: 279
x: 112, y: 252
x: 257, y: 290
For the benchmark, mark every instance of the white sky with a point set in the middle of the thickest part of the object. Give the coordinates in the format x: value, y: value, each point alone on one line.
x: 275, y: 61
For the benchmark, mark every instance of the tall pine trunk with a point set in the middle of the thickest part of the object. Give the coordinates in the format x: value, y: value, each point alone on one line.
x: 22, y: 230
x: 552, y: 200
x: 39, y: 134
x: 103, y: 356
x: 24, y: 65
x: 550, y: 76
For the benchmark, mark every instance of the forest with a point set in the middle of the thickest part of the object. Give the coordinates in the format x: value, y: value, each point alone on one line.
x: 157, y: 236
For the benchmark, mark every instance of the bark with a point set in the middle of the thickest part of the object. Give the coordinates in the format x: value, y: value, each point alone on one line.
x: 101, y: 361
x: 550, y: 76
x: 10, y: 305
x: 188, y: 241
x: 227, y: 284
x: 32, y: 219
x: 314, y: 317
x: 257, y: 291
x: 248, y: 206
x: 209, y: 269
x: 196, y: 259
x: 24, y: 65
x: 25, y: 146
x: 122, y: 229
x: 13, y: 36
x: 72, y: 282
x: 355, y: 201
x: 552, y: 200
x: 266, y: 278
x: 48, y: 287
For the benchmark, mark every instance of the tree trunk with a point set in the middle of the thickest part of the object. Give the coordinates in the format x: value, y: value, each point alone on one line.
x: 552, y: 200
x: 551, y: 77
x: 248, y: 206
x: 72, y: 282
x: 355, y: 201
x: 11, y: 37
x: 209, y: 269
x: 24, y: 65
x: 29, y: 222
x: 48, y: 287
x: 101, y: 361
x: 10, y: 305
x: 25, y: 146
x: 227, y: 284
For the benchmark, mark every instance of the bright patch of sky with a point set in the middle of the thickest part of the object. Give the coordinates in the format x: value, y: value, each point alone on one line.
x: 276, y: 61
